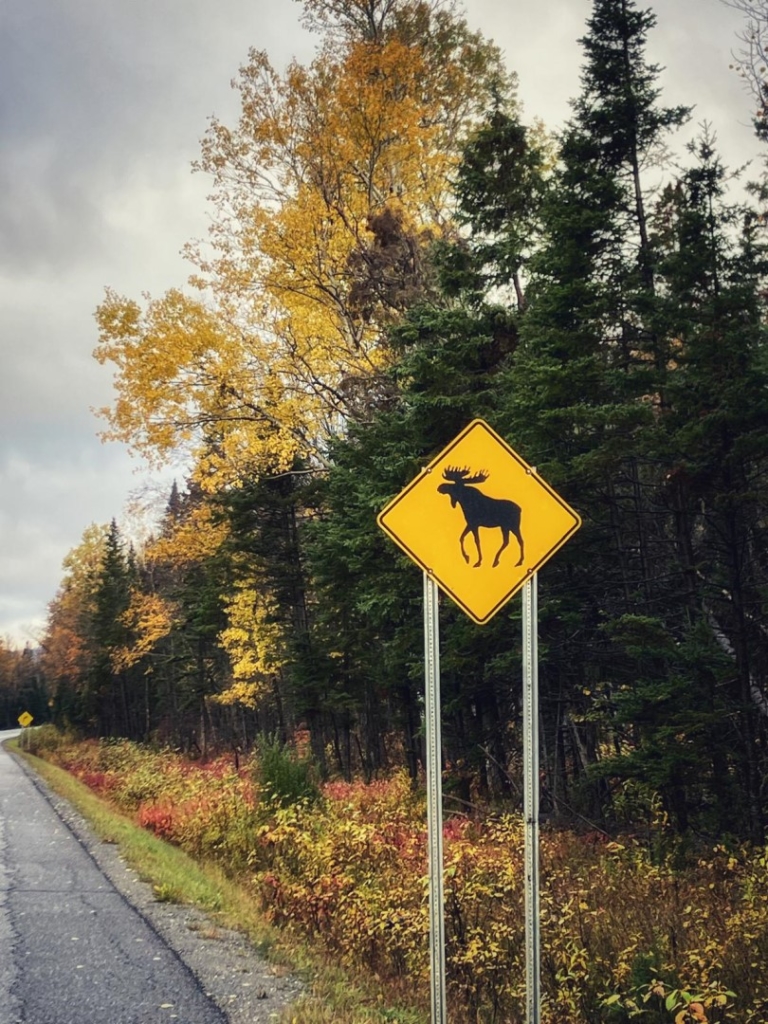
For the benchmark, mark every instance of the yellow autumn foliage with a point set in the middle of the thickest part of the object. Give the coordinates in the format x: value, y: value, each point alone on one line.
x: 194, y: 538
x: 64, y: 650
x: 188, y: 381
x: 626, y: 932
x: 149, y: 618
x: 278, y: 349
x: 254, y: 642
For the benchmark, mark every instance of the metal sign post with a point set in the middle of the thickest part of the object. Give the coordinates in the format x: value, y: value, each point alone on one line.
x: 25, y: 720
x: 531, y: 800
x: 434, y: 801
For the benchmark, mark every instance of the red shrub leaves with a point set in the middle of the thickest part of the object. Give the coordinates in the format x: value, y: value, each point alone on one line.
x: 625, y: 932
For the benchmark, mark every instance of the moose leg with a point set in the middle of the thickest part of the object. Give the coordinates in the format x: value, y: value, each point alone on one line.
x: 476, y: 535
x: 505, y: 541
x: 461, y: 542
x: 522, y: 546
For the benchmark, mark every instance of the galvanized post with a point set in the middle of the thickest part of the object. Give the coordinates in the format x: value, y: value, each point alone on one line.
x: 531, y: 800
x: 434, y: 801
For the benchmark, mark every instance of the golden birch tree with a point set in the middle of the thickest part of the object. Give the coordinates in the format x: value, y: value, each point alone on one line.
x: 325, y: 194
x: 65, y: 657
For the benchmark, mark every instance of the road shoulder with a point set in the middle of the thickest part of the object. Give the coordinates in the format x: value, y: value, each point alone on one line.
x: 246, y: 987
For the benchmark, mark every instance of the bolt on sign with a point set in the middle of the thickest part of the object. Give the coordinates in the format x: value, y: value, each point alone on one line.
x: 25, y: 719
x: 479, y: 520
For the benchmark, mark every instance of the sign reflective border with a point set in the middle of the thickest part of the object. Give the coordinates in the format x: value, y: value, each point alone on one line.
x: 479, y: 520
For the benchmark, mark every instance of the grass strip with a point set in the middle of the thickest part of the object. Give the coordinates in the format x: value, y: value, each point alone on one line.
x: 332, y: 997
x: 174, y: 875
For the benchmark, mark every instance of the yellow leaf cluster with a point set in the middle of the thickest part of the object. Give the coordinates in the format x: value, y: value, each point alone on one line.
x: 254, y: 642
x: 149, y: 618
x: 272, y: 356
x: 247, y: 694
x: 187, y: 380
x: 194, y: 538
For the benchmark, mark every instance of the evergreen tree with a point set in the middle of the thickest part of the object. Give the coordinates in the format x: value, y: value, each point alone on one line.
x: 368, y: 597
x: 190, y: 570
x: 714, y: 448
x: 108, y: 700
x: 267, y: 558
x: 636, y: 319
x: 499, y: 188
x: 580, y: 393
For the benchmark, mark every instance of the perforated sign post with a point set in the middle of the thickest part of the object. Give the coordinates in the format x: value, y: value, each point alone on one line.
x: 480, y: 522
x: 24, y: 720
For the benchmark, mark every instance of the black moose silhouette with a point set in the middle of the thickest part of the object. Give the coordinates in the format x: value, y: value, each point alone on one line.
x: 480, y: 510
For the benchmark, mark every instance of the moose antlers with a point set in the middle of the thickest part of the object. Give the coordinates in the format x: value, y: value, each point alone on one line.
x: 461, y: 476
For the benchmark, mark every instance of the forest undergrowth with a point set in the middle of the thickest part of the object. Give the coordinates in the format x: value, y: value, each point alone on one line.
x: 641, y: 925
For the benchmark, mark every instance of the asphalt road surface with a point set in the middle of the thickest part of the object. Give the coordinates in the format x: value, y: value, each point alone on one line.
x: 79, y: 947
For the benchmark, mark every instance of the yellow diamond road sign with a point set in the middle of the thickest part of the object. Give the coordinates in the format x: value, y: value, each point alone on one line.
x: 25, y: 719
x: 480, y: 520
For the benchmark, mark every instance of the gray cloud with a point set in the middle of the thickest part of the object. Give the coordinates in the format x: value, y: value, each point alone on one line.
x: 102, y: 105
x: 94, y: 93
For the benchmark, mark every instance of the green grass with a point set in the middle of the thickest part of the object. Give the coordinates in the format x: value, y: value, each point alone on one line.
x: 174, y: 875
x: 332, y: 997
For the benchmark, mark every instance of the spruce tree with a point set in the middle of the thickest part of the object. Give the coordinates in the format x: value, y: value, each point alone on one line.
x: 714, y: 488
x: 107, y: 698
x: 637, y: 389
x: 369, y: 597
x: 583, y: 390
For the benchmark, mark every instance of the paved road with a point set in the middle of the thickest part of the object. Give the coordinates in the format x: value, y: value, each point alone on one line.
x: 73, y: 950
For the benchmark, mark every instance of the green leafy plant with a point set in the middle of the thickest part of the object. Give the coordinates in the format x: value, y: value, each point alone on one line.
x: 284, y: 776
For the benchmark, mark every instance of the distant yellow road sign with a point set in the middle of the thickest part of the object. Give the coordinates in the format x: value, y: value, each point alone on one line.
x: 480, y: 520
x: 25, y: 719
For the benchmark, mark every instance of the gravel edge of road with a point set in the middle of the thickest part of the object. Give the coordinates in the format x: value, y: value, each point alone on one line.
x: 245, y: 986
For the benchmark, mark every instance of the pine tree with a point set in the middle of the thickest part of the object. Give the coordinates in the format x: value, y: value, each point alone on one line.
x: 108, y: 701
x: 268, y: 634
x: 584, y: 388
x: 643, y: 326
x: 368, y: 597
x: 499, y: 188
x: 189, y: 569
x: 715, y: 485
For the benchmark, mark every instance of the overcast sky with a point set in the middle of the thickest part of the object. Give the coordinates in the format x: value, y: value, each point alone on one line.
x: 102, y: 106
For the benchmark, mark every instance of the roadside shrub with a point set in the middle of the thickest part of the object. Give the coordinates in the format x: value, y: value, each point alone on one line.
x: 627, y: 933
x: 350, y: 872
x: 284, y: 777
x: 45, y: 740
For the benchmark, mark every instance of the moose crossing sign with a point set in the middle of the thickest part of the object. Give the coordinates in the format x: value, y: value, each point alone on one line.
x: 479, y: 520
